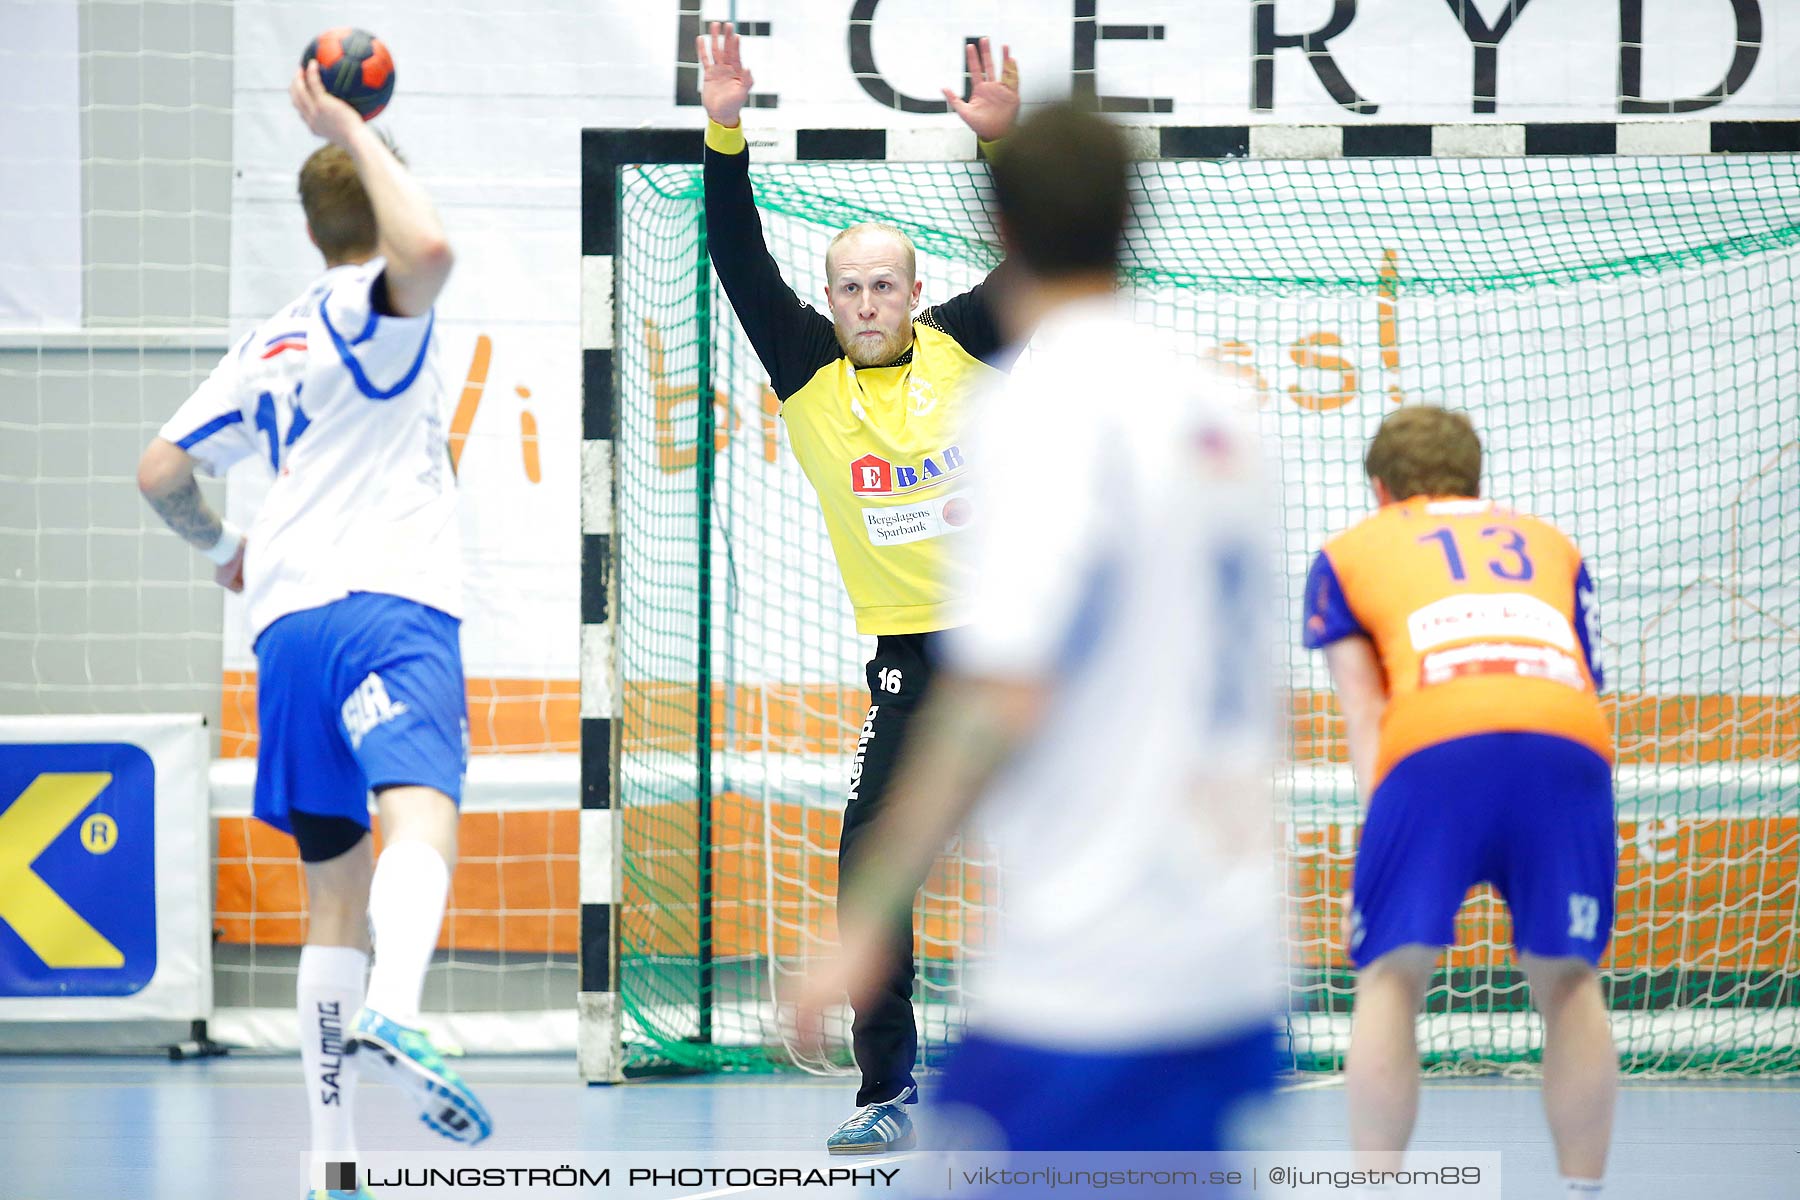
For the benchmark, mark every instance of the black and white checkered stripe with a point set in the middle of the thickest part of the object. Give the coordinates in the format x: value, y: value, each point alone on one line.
x: 599, y: 1038
x: 1469, y: 140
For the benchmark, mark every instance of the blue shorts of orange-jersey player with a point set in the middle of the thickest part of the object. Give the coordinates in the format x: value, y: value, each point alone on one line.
x: 1530, y: 813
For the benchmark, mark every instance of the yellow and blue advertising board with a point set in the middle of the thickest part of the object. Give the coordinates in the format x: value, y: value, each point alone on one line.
x: 104, y: 868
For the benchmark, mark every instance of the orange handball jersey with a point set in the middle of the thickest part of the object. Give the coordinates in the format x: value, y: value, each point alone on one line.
x: 1482, y: 617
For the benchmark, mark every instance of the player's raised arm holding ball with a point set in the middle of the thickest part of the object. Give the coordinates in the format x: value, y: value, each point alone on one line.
x: 352, y: 582
x: 410, y: 238
x: 876, y: 398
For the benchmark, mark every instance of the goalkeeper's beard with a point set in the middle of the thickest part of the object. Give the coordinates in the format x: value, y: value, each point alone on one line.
x: 870, y: 352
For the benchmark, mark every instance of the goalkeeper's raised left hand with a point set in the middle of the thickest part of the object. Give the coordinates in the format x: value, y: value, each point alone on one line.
x: 993, y: 103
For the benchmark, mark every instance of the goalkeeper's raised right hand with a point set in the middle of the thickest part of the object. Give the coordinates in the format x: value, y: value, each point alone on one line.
x: 725, y: 81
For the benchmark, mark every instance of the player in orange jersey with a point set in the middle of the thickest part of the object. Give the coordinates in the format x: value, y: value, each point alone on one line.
x: 1460, y: 637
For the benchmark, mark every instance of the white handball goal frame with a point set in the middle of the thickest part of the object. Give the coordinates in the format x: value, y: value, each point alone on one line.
x: 1663, y: 800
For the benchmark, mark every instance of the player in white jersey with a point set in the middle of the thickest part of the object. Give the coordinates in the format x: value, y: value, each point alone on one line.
x: 351, y: 575
x: 1110, y: 702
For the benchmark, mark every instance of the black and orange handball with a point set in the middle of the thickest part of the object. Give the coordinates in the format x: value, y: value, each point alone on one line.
x: 354, y: 66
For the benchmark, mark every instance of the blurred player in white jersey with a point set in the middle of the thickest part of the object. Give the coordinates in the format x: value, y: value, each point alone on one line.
x: 352, y: 583
x: 1109, y: 701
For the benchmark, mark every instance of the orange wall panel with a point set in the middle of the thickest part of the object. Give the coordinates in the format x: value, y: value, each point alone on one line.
x: 518, y: 715
x: 821, y: 718
x: 516, y: 887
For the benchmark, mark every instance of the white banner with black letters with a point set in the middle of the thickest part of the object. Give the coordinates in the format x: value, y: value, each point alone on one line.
x: 489, y: 104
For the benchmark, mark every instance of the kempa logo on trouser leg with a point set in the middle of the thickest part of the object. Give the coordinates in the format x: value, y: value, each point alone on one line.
x: 862, y: 750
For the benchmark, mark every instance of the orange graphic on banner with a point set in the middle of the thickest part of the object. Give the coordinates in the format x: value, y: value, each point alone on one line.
x: 528, y: 439
x: 1387, y: 311
x: 1315, y: 352
x: 1305, y: 353
x: 674, y: 452
x: 470, y: 400
x: 1237, y: 360
x: 469, y: 404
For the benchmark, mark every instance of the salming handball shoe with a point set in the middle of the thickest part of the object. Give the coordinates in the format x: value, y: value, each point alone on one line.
x: 405, y: 1057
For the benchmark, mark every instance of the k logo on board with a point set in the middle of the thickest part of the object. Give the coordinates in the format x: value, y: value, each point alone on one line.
x: 77, y: 869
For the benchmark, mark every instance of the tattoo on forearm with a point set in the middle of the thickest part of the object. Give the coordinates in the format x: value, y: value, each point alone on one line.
x: 186, y: 512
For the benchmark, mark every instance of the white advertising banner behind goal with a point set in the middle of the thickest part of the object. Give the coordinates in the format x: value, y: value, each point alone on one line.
x: 488, y: 103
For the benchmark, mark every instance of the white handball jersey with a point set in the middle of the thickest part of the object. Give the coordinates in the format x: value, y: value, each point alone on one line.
x: 1122, y: 554
x: 344, y: 406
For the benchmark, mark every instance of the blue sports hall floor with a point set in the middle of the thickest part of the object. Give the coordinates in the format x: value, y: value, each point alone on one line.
x: 83, y: 1128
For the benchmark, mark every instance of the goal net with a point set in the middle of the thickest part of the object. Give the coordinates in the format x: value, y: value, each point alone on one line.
x: 1618, y: 327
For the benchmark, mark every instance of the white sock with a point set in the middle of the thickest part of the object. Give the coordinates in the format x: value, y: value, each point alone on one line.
x: 1582, y: 1189
x: 406, y: 907
x: 330, y: 991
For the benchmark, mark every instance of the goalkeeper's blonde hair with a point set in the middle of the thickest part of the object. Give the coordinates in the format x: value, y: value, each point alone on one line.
x: 894, y: 231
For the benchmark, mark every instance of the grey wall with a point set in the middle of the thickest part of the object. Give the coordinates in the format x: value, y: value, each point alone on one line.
x: 101, y: 610
x: 156, y: 91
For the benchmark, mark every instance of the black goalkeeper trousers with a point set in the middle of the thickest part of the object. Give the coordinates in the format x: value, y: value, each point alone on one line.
x: 882, y: 1035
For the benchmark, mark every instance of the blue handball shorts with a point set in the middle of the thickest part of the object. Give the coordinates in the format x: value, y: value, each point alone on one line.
x: 360, y: 694
x: 1004, y: 1095
x: 1528, y: 813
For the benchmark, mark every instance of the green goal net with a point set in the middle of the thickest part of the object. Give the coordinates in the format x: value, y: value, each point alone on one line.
x: 1620, y: 328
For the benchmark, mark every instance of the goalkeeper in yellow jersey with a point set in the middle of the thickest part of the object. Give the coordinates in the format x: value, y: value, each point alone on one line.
x: 1110, y: 704
x: 875, y: 397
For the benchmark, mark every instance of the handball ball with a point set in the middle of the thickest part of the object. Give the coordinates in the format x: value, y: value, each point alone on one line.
x: 354, y: 66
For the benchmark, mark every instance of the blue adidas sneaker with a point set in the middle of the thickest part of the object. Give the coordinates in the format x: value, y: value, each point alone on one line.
x: 406, y: 1058
x: 875, y: 1129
